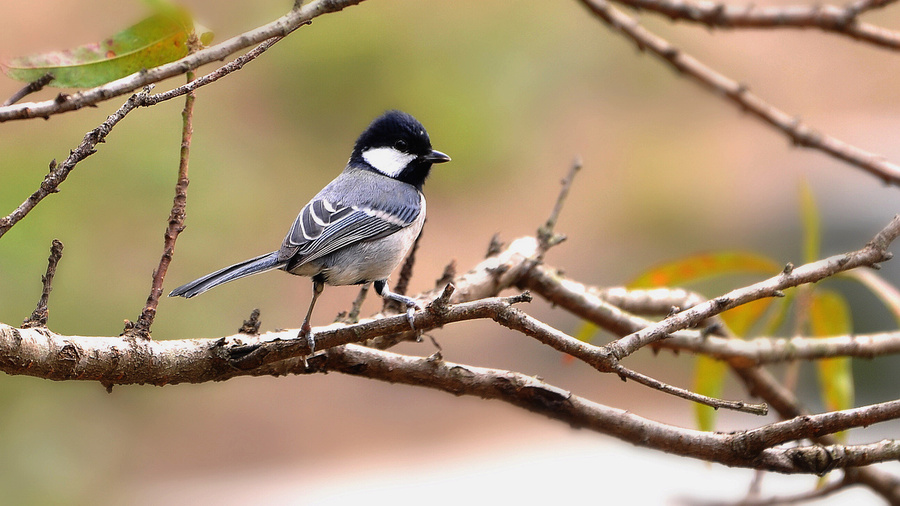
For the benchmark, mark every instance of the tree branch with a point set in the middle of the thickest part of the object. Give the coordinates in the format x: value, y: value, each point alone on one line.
x: 799, y: 133
x: 611, y: 308
x: 124, y: 361
x: 41, y: 313
x: 534, y: 395
x: 760, y: 383
x: 872, y: 254
x: 277, y: 28
x: 141, y: 328
x: 59, y: 173
x: 32, y: 87
x: 827, y: 18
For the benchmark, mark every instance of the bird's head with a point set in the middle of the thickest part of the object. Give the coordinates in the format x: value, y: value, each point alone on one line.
x: 396, y: 145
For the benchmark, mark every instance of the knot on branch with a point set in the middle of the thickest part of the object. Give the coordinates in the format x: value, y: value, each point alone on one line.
x: 440, y: 306
x: 818, y: 460
x: 251, y: 325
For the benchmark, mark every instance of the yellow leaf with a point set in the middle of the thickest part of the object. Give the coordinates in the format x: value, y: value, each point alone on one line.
x: 829, y: 315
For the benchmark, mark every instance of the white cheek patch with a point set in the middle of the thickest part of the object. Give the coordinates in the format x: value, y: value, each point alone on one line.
x: 388, y: 161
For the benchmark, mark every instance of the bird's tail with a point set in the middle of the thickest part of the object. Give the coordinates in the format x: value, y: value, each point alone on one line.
x: 256, y: 265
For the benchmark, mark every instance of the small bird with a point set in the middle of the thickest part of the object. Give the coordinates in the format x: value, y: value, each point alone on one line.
x: 359, y: 227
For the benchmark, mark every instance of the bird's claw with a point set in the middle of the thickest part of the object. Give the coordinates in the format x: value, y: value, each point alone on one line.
x: 411, y: 308
x: 306, y: 331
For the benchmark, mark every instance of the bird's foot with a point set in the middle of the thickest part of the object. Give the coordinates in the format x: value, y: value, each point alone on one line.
x: 411, y: 308
x: 306, y: 331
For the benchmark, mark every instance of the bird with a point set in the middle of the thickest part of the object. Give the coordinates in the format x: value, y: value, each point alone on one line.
x: 360, y: 226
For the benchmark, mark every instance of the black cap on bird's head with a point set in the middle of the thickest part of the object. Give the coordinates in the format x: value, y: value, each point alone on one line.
x: 396, y: 144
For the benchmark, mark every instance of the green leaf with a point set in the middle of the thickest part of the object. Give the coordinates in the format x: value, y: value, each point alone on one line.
x: 158, y: 39
x: 709, y: 375
x: 812, y: 227
x: 829, y: 315
x: 705, y: 265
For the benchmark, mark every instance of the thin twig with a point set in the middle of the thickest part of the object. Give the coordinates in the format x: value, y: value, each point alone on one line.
x: 141, y: 328
x: 600, y: 359
x: 41, y: 313
x: 827, y: 18
x: 279, y: 27
x: 761, y: 383
x: 232, y: 66
x: 615, y: 309
x: 863, y: 6
x: 546, y: 233
x: 799, y: 133
x: 356, y: 307
x: 872, y: 254
x: 32, y: 87
x: 803, y: 497
x: 59, y: 172
x: 744, y: 407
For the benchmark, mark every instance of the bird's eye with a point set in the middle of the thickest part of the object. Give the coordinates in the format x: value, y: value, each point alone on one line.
x: 400, y: 145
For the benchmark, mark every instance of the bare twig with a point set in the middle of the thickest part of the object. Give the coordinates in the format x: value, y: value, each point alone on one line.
x: 872, y: 254
x: 41, y: 313
x: 813, y: 426
x: 799, y: 133
x: 32, y: 87
x: 59, y: 172
x: 141, y: 328
x: 546, y: 233
x: 828, y: 18
x: 820, y: 492
x: 862, y: 6
x: 744, y: 407
x: 612, y: 308
x: 534, y: 395
x: 600, y: 359
x: 766, y: 350
x: 279, y: 27
x: 762, y: 384
x: 232, y: 66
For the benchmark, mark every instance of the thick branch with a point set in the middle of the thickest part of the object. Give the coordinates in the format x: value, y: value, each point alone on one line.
x: 762, y: 384
x: 122, y: 361
x: 534, y: 395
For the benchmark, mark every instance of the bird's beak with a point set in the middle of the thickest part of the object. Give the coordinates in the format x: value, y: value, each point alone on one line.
x: 436, y: 157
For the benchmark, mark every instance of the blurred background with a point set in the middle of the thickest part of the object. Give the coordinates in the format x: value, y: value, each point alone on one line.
x: 513, y: 91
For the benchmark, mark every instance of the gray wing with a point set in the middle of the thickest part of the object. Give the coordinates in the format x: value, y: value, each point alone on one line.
x: 323, y: 227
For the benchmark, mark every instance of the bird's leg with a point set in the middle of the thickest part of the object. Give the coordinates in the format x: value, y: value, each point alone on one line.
x: 305, y: 329
x: 382, y: 289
